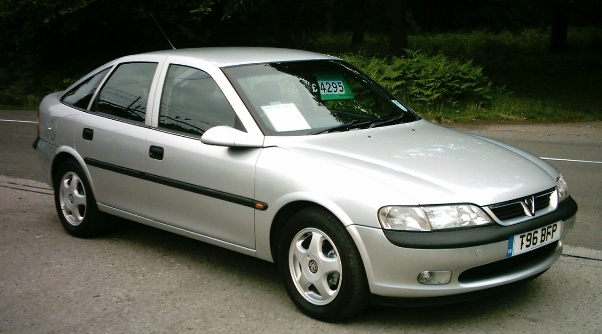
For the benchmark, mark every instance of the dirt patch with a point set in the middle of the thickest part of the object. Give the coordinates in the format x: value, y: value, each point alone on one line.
x: 593, y: 129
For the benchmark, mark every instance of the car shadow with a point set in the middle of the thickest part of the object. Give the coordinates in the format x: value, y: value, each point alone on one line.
x: 170, y: 243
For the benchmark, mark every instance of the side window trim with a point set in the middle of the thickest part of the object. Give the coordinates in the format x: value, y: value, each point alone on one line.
x: 159, y: 84
x: 102, y: 83
x: 152, y: 109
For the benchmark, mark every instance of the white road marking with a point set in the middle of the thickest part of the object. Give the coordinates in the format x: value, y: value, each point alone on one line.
x: 17, y: 121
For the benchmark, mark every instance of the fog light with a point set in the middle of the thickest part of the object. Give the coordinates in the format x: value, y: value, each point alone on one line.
x: 434, y: 277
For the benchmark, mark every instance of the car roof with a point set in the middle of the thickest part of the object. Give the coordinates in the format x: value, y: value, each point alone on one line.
x: 232, y: 56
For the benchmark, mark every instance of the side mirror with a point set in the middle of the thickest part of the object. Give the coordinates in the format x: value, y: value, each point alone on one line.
x: 226, y: 136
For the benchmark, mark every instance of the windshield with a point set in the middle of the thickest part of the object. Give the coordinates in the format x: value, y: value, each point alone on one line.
x: 311, y: 97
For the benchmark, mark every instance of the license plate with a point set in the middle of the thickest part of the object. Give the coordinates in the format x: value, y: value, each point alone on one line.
x: 531, y: 240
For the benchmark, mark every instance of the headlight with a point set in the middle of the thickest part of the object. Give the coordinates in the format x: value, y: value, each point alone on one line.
x: 562, y: 187
x: 430, y: 218
x: 403, y: 218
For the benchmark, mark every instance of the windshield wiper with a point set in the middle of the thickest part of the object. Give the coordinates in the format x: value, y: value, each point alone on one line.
x: 346, y: 127
x: 389, y: 121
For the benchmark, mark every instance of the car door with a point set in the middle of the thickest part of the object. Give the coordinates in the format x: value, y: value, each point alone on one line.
x: 111, y: 137
x: 200, y: 188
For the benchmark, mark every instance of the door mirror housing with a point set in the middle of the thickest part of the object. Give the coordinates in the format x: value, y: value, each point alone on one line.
x: 226, y: 136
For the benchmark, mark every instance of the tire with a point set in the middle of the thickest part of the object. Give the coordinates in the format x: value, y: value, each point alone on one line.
x: 74, y: 201
x: 321, y: 266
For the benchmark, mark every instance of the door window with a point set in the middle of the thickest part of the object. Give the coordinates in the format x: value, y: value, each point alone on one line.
x: 192, y: 102
x: 125, y: 95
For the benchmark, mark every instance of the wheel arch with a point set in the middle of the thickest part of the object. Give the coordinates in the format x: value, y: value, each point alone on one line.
x: 280, y: 221
x: 288, y: 210
x: 63, y: 155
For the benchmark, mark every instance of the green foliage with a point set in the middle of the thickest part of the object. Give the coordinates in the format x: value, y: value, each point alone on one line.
x: 506, y: 107
x: 526, y: 82
x: 428, y: 80
x: 47, y: 43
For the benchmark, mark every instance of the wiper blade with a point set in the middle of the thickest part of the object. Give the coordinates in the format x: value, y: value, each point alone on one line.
x: 389, y: 121
x: 346, y: 127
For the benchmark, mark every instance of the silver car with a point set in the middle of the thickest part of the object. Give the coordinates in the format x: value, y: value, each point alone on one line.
x: 300, y: 159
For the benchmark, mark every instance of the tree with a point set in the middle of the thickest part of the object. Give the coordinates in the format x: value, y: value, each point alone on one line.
x: 559, y: 26
x: 357, y: 21
x: 399, y: 27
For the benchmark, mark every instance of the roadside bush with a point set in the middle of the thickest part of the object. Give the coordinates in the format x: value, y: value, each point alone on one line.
x: 429, y: 81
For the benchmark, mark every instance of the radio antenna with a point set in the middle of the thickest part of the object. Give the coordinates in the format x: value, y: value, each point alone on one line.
x: 163, y: 32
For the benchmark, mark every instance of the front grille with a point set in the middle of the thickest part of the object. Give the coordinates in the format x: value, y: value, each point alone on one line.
x: 508, y: 211
x: 507, y: 266
x: 514, y: 209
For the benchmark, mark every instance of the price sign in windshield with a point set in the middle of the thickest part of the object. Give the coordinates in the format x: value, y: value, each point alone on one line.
x: 333, y: 86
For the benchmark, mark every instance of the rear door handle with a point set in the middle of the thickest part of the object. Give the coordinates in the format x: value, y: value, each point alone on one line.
x: 155, y: 152
x: 88, y: 134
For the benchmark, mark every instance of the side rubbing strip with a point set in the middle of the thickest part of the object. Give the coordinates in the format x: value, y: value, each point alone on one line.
x: 249, y: 202
x: 114, y: 168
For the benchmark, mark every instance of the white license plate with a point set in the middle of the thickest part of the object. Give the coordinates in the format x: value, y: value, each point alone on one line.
x: 531, y: 240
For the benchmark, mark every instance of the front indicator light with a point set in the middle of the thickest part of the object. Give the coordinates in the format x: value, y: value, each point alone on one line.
x: 562, y: 187
x: 434, y: 277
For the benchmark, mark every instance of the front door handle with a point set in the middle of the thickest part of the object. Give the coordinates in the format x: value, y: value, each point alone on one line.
x: 155, y: 152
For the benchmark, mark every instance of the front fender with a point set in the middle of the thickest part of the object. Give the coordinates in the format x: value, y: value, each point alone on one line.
x: 284, y: 177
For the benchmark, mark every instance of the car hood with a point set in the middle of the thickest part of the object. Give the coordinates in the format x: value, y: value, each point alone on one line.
x: 432, y: 164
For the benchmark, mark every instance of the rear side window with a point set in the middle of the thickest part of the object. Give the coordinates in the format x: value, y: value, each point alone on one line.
x: 125, y: 94
x: 81, y: 95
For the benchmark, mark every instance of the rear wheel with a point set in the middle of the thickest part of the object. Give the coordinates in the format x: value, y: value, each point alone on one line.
x: 74, y: 201
x: 321, y: 266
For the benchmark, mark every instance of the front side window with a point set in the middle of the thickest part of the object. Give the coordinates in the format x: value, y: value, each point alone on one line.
x: 81, y: 94
x: 192, y: 102
x: 310, y: 97
x: 125, y: 94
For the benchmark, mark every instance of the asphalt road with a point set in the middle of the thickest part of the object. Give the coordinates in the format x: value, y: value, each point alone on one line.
x: 138, y: 279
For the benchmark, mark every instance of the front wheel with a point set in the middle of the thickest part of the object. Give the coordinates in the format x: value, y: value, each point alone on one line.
x: 74, y: 201
x: 321, y: 266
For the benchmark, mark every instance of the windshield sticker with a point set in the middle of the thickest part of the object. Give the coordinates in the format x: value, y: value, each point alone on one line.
x: 285, y: 117
x: 333, y: 87
x: 401, y: 106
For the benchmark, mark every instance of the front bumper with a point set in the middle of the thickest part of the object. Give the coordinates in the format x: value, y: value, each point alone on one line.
x: 392, y: 270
